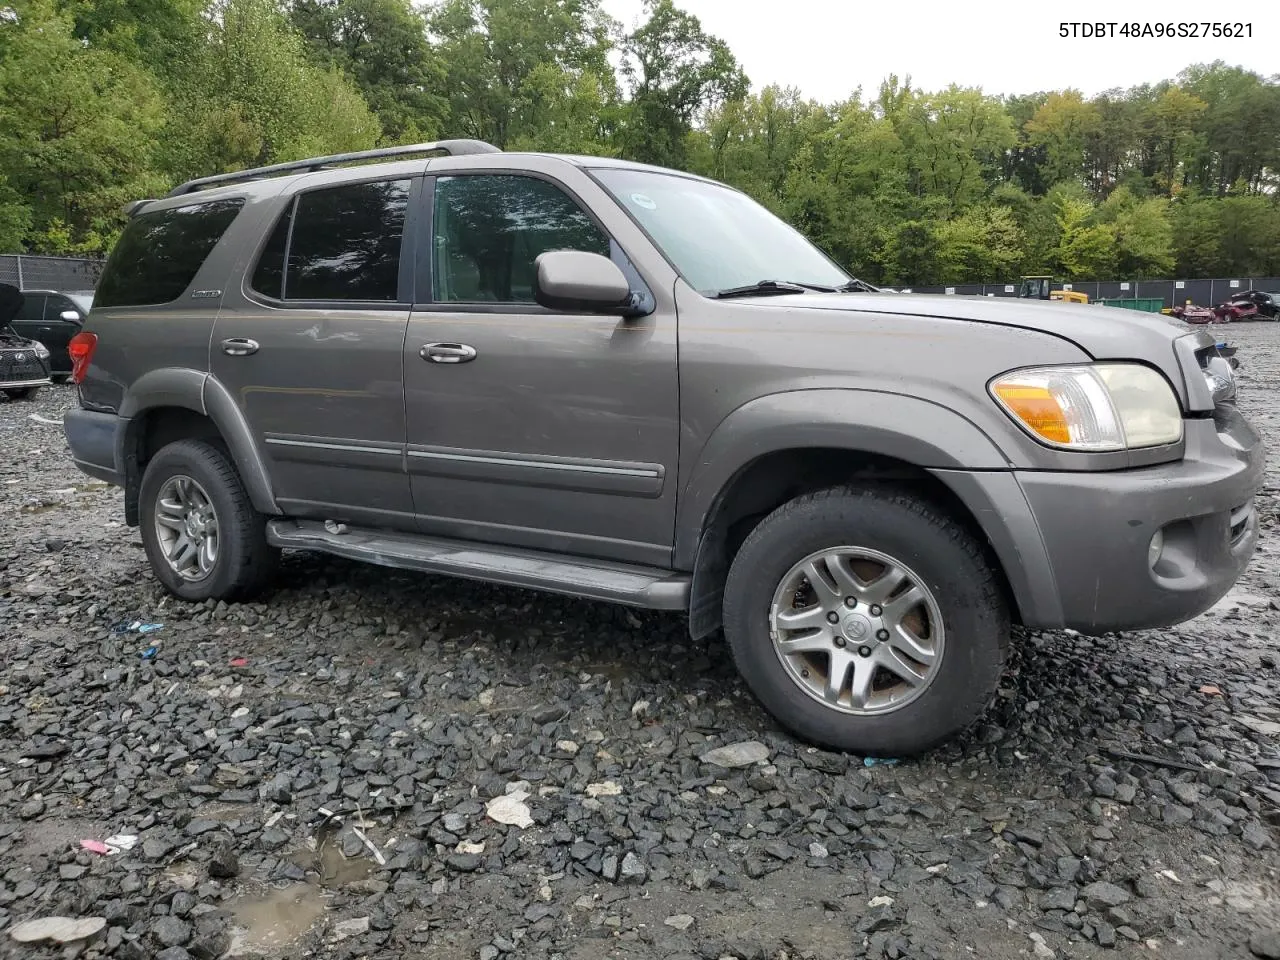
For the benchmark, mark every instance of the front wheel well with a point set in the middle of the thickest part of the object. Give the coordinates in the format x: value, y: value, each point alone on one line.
x: 149, y: 433
x: 775, y: 478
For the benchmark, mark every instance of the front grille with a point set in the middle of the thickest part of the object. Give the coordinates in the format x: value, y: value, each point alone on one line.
x: 28, y: 368
x: 1241, y: 520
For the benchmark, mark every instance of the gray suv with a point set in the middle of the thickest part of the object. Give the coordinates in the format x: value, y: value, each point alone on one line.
x: 631, y: 384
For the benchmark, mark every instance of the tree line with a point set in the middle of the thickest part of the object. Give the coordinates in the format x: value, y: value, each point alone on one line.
x: 105, y: 101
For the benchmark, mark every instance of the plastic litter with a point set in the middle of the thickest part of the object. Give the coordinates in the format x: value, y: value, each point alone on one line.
x: 150, y: 652
x: 377, y: 854
x: 881, y: 761
x: 138, y: 626
x: 1212, y: 689
x: 240, y: 662
x: 95, y: 846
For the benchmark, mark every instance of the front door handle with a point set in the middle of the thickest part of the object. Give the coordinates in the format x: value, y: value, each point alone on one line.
x: 239, y: 346
x: 447, y: 352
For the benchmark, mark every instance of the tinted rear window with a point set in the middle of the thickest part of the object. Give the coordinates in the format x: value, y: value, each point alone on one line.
x: 159, y: 253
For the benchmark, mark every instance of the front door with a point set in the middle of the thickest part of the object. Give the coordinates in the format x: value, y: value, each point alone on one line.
x: 528, y: 426
x: 311, y: 350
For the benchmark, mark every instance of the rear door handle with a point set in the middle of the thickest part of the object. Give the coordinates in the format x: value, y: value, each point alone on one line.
x: 447, y: 352
x: 239, y: 346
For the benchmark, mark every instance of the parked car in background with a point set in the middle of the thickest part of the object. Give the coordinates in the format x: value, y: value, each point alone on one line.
x: 53, y: 317
x: 1194, y: 313
x: 625, y: 383
x: 1256, y: 305
x: 24, y: 363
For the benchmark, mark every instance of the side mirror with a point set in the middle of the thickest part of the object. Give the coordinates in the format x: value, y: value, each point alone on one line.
x: 70, y: 316
x: 578, y: 281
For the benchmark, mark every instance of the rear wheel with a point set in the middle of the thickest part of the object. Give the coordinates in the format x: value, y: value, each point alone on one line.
x: 866, y: 620
x: 23, y: 393
x: 201, y: 533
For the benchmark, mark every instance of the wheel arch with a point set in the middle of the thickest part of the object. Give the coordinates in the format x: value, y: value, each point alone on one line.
x: 782, y: 446
x: 176, y: 404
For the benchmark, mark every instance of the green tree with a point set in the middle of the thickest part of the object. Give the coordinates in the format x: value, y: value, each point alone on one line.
x: 78, y: 127
x: 252, y: 97
x: 982, y: 245
x: 500, y: 56
x: 382, y: 45
x: 676, y: 74
x: 1144, y: 235
x: 955, y: 142
x: 1062, y: 126
x: 1086, y: 250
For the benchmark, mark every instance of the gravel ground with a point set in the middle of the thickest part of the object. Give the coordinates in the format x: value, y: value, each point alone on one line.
x: 406, y: 705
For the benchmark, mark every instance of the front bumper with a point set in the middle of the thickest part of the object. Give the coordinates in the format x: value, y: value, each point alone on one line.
x: 1096, y: 530
x: 96, y: 441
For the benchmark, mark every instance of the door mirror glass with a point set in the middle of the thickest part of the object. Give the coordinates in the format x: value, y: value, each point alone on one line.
x: 70, y: 316
x: 580, y: 281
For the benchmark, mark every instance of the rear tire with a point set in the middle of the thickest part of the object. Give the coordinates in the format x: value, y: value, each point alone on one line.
x: 207, y: 525
x: 23, y: 393
x: 912, y: 671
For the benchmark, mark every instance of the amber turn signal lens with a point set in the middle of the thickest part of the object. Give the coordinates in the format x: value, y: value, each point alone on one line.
x: 1036, y: 407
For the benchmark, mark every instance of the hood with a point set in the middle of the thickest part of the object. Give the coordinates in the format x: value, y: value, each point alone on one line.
x: 1104, y: 333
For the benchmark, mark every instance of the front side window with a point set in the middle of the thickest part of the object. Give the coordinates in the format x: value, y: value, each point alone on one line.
x: 340, y: 243
x: 32, y: 308
x: 489, y: 230
x: 159, y: 253
x: 716, y: 237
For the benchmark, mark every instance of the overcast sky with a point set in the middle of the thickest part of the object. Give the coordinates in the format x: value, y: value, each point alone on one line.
x: 827, y: 48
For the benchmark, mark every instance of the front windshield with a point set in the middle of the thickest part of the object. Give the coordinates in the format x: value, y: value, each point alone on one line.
x: 716, y: 237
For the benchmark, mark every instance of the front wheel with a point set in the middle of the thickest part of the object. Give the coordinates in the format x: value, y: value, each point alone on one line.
x: 866, y: 620
x: 201, y: 533
x: 23, y: 393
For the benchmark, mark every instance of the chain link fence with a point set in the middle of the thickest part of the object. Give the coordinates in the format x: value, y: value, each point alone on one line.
x: 66, y: 274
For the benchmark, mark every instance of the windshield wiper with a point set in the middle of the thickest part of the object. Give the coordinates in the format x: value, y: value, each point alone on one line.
x: 857, y: 286
x: 767, y: 287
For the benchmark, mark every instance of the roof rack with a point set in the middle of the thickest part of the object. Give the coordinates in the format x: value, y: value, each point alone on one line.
x: 452, y: 148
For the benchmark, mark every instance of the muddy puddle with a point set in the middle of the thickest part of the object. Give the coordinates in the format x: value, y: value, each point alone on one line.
x: 271, y: 922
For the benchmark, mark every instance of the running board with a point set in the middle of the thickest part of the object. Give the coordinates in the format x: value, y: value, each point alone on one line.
x: 634, y: 586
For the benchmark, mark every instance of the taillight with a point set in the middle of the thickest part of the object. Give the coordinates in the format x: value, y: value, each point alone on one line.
x: 80, y: 349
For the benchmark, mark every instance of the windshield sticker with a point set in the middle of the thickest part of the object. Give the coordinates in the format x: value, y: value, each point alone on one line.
x: 640, y: 200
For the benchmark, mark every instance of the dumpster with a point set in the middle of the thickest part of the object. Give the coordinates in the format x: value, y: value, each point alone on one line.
x: 1145, y: 304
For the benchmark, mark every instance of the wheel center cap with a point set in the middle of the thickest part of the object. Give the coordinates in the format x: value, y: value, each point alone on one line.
x: 856, y: 627
x: 193, y: 525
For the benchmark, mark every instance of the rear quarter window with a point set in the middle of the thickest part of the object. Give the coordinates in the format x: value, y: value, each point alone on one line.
x: 159, y: 253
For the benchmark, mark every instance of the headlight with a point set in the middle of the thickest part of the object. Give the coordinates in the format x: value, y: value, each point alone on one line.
x: 42, y: 351
x: 1102, y: 406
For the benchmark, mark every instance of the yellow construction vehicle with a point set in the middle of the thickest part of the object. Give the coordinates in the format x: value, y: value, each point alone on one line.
x: 1041, y: 288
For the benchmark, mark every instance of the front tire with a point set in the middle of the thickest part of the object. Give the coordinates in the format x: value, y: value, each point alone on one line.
x: 23, y: 393
x: 202, y: 535
x: 866, y: 620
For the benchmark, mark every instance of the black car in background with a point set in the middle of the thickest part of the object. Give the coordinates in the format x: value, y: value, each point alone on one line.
x: 24, y: 363
x: 53, y: 317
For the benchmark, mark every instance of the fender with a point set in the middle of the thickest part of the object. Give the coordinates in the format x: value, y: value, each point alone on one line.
x: 201, y: 393
x: 919, y: 432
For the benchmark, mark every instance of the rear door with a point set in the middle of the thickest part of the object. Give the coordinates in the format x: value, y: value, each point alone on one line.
x: 310, y: 347
x: 528, y: 426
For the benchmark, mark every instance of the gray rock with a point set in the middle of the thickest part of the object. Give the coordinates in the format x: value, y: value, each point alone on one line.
x: 346, y: 929
x: 633, y: 869
x: 1059, y: 898
x: 1101, y: 894
x: 741, y: 754
x: 171, y: 932
x: 173, y: 953
x: 57, y: 929
x: 1265, y: 944
x: 224, y: 864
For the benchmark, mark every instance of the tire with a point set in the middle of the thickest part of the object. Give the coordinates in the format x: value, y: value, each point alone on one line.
x: 23, y: 393
x: 961, y: 592
x: 243, y: 562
